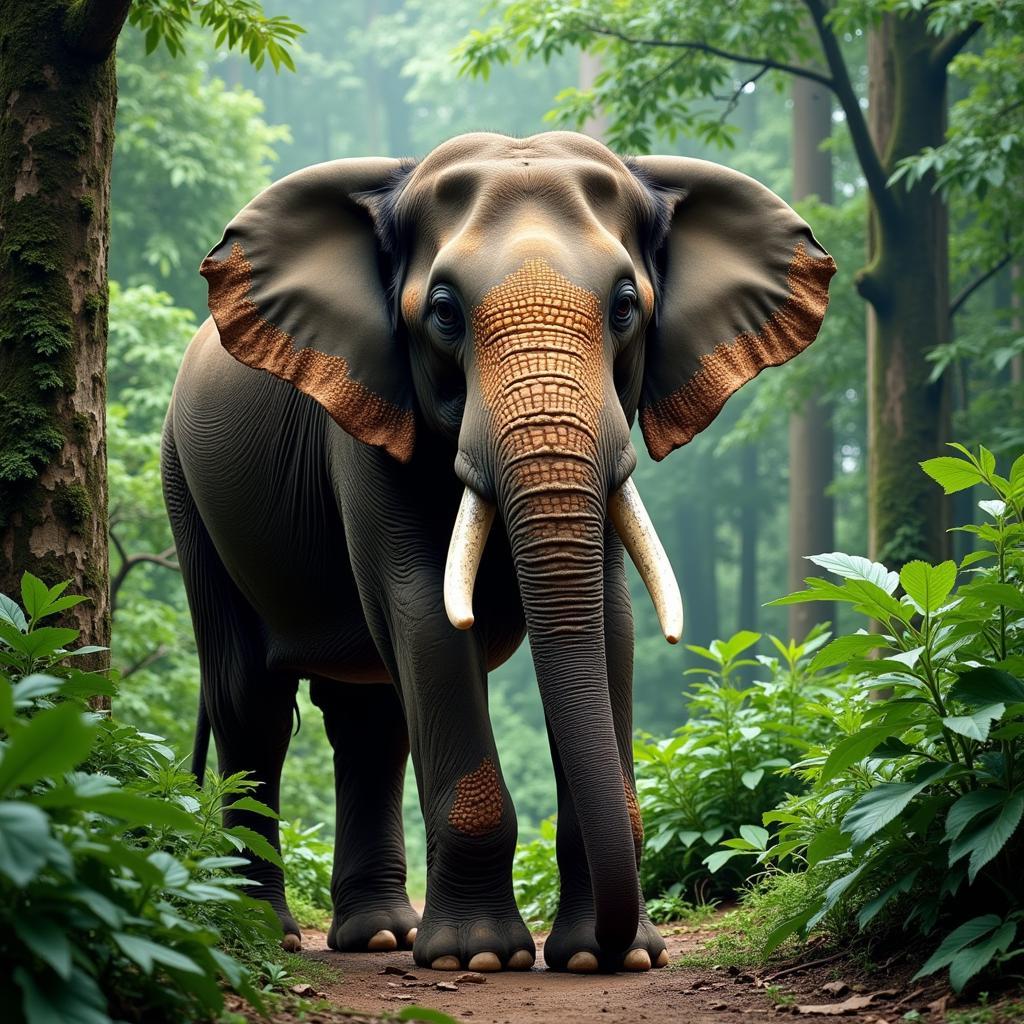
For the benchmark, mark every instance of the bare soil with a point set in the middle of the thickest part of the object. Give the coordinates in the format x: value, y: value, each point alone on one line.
x: 820, y: 986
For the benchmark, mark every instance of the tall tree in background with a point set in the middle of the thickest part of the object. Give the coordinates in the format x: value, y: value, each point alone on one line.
x: 662, y: 61
x: 811, y: 438
x: 58, y: 98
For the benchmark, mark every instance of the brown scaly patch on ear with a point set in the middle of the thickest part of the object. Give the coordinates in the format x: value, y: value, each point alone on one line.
x: 636, y: 821
x: 677, y: 418
x: 253, y: 340
x: 477, y: 807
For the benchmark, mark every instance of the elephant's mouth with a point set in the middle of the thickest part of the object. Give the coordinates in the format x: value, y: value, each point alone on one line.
x: 632, y: 522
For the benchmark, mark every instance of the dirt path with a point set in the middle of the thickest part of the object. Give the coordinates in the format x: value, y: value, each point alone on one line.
x: 376, y: 982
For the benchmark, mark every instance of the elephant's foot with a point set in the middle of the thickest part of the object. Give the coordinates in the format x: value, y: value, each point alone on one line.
x: 572, y: 946
x: 388, y: 925
x: 475, y: 942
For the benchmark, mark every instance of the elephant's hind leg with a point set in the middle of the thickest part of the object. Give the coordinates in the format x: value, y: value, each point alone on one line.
x: 248, y: 707
x: 366, y: 727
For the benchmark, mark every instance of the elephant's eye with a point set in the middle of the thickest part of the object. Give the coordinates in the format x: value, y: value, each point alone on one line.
x: 624, y: 307
x: 446, y: 314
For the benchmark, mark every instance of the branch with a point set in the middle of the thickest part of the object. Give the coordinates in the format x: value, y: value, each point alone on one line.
x: 91, y: 27
x: 741, y: 58
x: 867, y: 154
x: 732, y: 102
x: 965, y: 293
x: 128, y: 562
x: 949, y: 46
x: 146, y: 661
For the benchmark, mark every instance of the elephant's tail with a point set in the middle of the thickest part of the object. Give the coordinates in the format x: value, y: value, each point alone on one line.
x: 201, y: 743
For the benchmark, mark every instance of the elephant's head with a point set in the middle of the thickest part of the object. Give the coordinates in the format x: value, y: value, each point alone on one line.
x: 527, y: 298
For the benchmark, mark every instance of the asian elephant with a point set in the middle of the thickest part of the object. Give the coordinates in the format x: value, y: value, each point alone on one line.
x: 419, y: 379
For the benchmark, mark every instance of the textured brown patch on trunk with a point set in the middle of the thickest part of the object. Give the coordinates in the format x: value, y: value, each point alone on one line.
x: 677, y: 418
x: 477, y: 807
x: 253, y: 340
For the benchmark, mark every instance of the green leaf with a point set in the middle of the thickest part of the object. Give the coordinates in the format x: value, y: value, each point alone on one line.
x: 979, y: 687
x: 247, y: 803
x: 783, y: 931
x: 994, y: 594
x: 855, y: 567
x: 257, y: 844
x: 52, y: 742
x: 24, y: 841
x: 977, y: 725
x: 928, y: 586
x: 755, y: 835
x: 45, y: 940
x: 970, y: 931
x: 717, y: 860
x: 853, y: 749
x: 752, y: 778
x: 78, y: 1001
x: 952, y: 474
x: 826, y: 844
x: 43, y: 641
x: 969, y: 806
x: 872, y: 909
x: 35, y: 595
x: 876, y: 808
x: 6, y: 703
x: 147, y: 954
x: 424, y: 1015
x: 137, y: 809
x: 843, y: 648
x: 12, y: 614
x: 972, y: 959
x: 988, y: 840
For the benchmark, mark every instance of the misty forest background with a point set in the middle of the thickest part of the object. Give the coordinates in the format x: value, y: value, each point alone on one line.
x: 782, y: 473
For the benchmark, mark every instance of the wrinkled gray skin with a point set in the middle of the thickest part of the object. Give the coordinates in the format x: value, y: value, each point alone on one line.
x: 309, y: 554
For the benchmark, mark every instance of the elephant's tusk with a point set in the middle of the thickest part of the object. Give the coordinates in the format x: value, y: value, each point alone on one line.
x: 469, y: 536
x: 637, y: 531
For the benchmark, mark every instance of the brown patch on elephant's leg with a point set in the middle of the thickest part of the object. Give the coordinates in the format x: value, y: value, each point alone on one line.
x: 636, y: 821
x: 478, y: 800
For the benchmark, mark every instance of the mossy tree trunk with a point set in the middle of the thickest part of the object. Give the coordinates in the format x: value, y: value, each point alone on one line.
x: 57, y: 104
x: 906, y: 284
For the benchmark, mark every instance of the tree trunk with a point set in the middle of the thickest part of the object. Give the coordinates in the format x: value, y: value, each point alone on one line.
x: 907, y: 286
x: 749, y: 510
x: 1017, y: 324
x: 590, y: 67
x: 811, y: 439
x: 57, y: 102
x: 698, y: 559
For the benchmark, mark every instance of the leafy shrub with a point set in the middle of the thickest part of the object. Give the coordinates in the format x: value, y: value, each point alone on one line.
x: 914, y: 809
x: 535, y: 877
x: 715, y: 774
x: 307, y: 867
x: 116, y: 892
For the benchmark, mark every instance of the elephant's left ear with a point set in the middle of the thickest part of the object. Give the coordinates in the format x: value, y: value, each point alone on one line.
x: 296, y: 288
x: 744, y: 286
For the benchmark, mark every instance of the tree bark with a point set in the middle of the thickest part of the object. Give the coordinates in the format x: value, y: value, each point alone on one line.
x: 811, y: 438
x: 57, y: 103
x: 907, y: 285
x: 596, y: 126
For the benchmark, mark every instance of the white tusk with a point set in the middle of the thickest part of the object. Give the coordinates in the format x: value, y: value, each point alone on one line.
x: 469, y: 536
x: 637, y: 531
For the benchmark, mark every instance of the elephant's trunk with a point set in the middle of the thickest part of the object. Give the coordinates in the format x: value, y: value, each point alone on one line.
x: 554, y: 509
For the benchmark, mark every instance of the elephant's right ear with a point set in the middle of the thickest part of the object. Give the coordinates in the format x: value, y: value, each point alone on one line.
x: 296, y: 289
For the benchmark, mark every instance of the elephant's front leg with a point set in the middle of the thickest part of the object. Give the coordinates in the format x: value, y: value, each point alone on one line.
x: 470, y: 919
x: 572, y: 944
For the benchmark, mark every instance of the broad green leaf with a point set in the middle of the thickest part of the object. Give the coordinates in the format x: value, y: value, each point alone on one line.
x: 975, y: 726
x: 737, y: 644
x: 968, y: 962
x: 991, y: 838
x: 834, y: 892
x: 6, y: 703
x: 24, y: 841
x: 994, y: 594
x: 39, y: 684
x: 785, y: 929
x: 43, y: 641
x: 35, y: 595
x: 952, y: 474
x: 855, y: 748
x: 12, y: 614
x: 718, y: 859
x: 45, y: 940
x: 247, y: 803
x: 928, y: 586
x: 872, y: 909
x: 78, y: 1001
x: 755, y: 835
x: 52, y: 742
x: 855, y: 567
x: 137, y: 809
x: 257, y: 844
x: 826, y: 844
x: 979, y: 687
x: 843, y: 648
x: 969, y: 806
x: 752, y: 778
x: 876, y: 808
x: 147, y: 954
x: 424, y: 1015
x: 970, y: 931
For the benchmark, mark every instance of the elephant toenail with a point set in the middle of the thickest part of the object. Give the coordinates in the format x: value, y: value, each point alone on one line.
x: 291, y: 943
x: 521, y: 960
x: 410, y: 936
x: 583, y: 963
x: 485, y: 962
x: 662, y: 960
x: 383, y: 941
x: 637, y: 960
x: 446, y: 963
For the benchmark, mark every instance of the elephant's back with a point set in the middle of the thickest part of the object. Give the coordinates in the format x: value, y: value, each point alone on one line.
x: 253, y: 451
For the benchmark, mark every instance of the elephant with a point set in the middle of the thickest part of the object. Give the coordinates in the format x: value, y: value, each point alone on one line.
x: 401, y: 443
